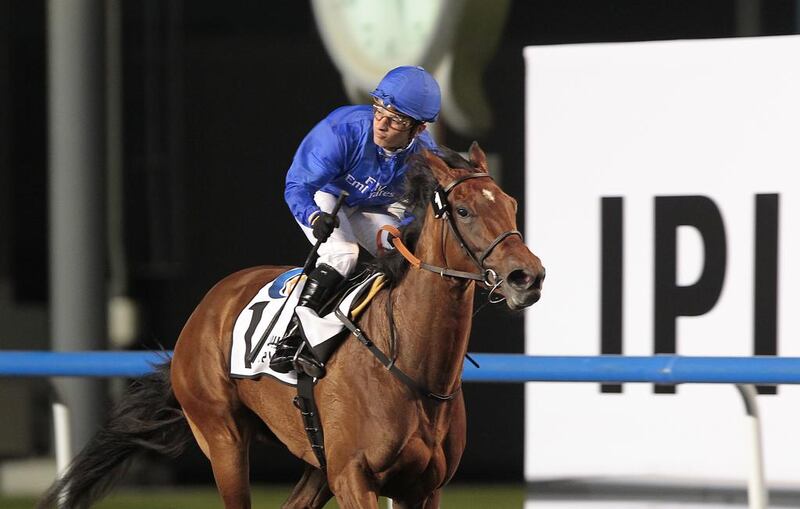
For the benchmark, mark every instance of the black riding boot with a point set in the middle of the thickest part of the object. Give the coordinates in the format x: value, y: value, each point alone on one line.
x: 319, y: 285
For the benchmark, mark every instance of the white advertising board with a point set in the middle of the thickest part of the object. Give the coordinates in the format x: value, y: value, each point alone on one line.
x: 663, y: 188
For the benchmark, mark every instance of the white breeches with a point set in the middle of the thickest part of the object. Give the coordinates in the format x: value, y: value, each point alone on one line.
x: 357, y: 226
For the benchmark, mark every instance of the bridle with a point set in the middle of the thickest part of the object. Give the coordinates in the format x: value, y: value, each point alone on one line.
x: 442, y: 210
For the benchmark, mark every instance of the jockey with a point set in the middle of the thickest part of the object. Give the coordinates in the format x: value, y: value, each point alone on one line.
x: 361, y: 150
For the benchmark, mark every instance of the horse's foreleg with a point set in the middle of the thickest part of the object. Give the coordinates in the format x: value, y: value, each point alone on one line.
x: 311, y: 492
x: 354, y: 487
x: 432, y: 502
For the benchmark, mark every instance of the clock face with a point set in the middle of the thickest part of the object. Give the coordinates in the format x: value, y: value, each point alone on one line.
x: 366, y: 38
x: 393, y: 32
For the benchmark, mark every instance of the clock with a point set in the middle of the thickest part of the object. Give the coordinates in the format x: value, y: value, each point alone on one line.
x: 367, y: 38
x: 460, y: 74
x: 452, y: 39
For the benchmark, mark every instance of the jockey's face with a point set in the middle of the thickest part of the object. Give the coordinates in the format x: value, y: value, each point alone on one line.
x: 392, y: 130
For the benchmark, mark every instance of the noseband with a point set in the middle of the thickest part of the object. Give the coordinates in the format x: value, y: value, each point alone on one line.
x: 441, y: 210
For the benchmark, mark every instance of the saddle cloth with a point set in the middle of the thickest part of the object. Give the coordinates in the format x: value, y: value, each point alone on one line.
x: 281, y: 296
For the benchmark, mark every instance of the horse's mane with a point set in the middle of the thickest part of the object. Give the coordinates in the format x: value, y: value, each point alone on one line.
x: 418, y: 189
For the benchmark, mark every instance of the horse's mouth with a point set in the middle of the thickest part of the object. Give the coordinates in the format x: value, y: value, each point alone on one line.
x: 520, y: 300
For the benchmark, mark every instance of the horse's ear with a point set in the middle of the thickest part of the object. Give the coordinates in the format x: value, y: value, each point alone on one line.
x: 477, y: 157
x: 438, y: 167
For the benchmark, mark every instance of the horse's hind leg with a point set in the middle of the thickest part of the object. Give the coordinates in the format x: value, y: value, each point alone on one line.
x: 229, y: 456
x: 230, y: 465
x: 311, y: 492
x: 225, y: 440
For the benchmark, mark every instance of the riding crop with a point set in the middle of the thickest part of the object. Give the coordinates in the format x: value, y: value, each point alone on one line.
x: 310, y: 260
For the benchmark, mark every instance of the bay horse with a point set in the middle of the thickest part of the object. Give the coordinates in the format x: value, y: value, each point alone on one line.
x: 382, y: 437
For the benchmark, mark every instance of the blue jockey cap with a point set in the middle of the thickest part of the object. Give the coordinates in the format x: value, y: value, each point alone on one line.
x: 411, y: 90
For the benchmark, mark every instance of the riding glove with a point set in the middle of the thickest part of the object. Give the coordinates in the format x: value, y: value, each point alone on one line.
x: 323, y: 225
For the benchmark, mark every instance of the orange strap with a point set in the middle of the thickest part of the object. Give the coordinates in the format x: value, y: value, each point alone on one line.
x: 394, y: 235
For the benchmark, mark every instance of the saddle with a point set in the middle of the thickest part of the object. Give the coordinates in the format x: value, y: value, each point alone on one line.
x: 263, y: 322
x: 323, y: 332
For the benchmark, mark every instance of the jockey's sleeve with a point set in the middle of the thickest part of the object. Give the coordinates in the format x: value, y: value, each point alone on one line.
x: 408, y: 219
x: 318, y: 161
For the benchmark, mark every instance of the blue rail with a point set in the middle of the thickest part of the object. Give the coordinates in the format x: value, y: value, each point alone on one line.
x: 660, y: 369
x: 91, y: 364
x: 509, y: 368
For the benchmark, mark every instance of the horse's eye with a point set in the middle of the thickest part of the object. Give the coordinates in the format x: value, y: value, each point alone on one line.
x: 461, y: 211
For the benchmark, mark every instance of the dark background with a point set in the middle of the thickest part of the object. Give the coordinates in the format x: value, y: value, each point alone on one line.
x: 216, y: 98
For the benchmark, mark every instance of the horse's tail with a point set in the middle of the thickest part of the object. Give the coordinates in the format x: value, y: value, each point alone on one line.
x: 148, y: 417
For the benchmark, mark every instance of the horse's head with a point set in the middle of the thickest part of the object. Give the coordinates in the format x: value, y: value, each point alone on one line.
x: 482, y: 232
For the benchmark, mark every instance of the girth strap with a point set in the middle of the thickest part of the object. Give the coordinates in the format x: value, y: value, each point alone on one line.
x: 304, y: 401
x: 389, y: 364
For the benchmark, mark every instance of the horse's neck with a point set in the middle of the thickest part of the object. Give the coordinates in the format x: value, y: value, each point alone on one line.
x: 433, y: 316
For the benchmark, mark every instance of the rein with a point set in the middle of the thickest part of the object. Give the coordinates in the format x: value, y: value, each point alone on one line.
x: 389, y: 364
x: 419, y: 264
x: 441, y: 210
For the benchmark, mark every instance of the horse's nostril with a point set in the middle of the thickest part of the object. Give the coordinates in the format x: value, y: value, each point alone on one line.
x: 520, y: 279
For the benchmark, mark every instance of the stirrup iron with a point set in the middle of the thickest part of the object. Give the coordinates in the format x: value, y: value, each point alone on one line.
x: 307, y: 363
